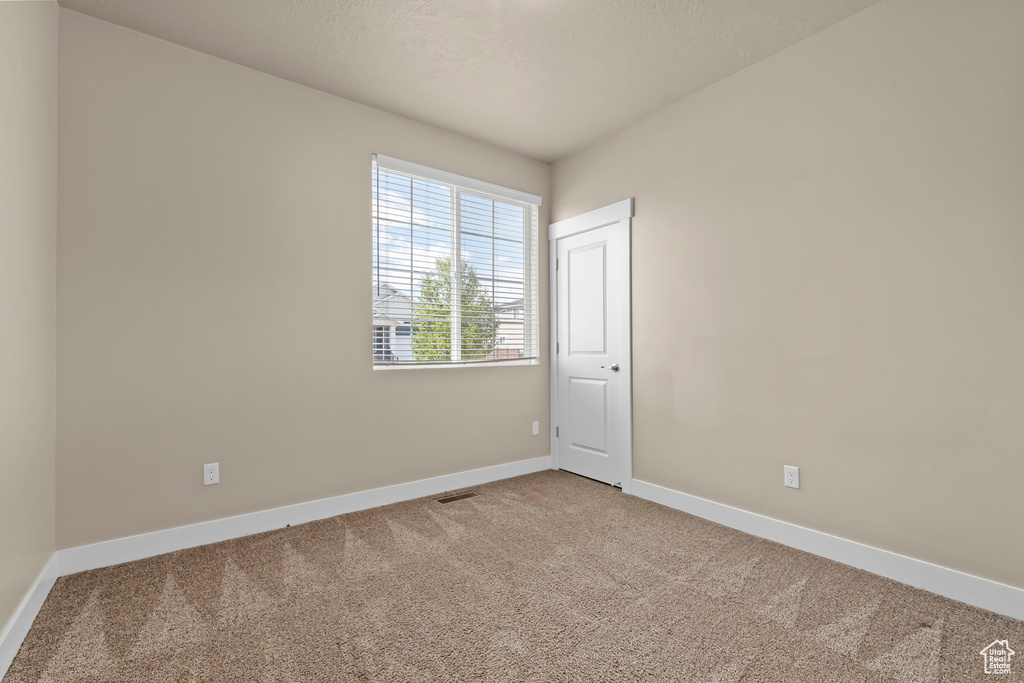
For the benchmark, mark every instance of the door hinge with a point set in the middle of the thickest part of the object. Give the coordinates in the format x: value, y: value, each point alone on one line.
x: 556, y: 264
x: 557, y: 347
x: 556, y: 432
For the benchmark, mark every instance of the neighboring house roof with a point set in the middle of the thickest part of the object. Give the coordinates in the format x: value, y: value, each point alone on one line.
x: 390, y: 304
x: 383, y: 292
x: 394, y: 297
x: 518, y: 303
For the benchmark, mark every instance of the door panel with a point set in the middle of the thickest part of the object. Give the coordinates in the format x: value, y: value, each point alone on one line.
x: 588, y: 401
x: 587, y: 299
x: 592, y: 360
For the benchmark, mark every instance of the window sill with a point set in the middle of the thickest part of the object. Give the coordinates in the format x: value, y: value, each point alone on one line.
x: 437, y: 366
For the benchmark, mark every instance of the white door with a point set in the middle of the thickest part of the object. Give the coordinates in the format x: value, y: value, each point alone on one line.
x: 591, y: 373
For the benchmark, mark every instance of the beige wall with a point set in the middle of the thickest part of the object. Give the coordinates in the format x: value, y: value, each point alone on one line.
x: 28, y: 236
x: 828, y: 273
x: 214, y: 294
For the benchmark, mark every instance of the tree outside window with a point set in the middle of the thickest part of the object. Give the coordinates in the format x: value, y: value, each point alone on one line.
x: 474, y: 336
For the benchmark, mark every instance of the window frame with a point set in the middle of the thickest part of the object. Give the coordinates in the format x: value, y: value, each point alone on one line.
x: 459, y: 185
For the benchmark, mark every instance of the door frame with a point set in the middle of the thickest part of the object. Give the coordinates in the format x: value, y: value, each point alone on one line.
x: 620, y: 213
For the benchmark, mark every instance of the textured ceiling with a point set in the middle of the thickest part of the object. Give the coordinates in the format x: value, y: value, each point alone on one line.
x: 541, y: 77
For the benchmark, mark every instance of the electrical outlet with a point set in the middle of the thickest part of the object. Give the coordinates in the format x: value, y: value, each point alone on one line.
x: 211, y: 474
x: 536, y: 427
x: 791, y: 476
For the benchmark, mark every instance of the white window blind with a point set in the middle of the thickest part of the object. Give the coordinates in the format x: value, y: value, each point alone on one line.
x: 454, y: 269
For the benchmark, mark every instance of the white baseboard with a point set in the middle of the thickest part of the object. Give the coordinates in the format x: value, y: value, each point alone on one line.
x: 17, y: 628
x: 132, y: 548
x: 990, y: 595
x: 108, y: 553
x: 995, y: 597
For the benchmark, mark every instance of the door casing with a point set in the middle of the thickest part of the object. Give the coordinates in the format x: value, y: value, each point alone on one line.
x: 619, y: 214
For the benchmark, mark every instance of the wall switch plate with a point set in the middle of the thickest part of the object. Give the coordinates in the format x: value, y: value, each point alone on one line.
x: 536, y: 428
x: 211, y: 474
x: 792, y: 476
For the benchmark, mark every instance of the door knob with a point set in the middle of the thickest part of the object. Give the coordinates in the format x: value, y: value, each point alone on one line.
x: 614, y: 367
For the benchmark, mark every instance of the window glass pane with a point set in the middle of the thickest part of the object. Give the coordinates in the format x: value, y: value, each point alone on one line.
x: 450, y: 285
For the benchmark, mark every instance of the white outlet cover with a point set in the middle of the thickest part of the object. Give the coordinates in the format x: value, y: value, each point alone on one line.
x: 536, y: 427
x: 211, y: 474
x: 791, y: 476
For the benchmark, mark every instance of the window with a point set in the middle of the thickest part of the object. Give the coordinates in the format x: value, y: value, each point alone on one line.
x: 381, y: 343
x: 454, y: 269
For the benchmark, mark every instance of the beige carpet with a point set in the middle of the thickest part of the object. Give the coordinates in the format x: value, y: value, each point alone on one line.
x: 548, y: 577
